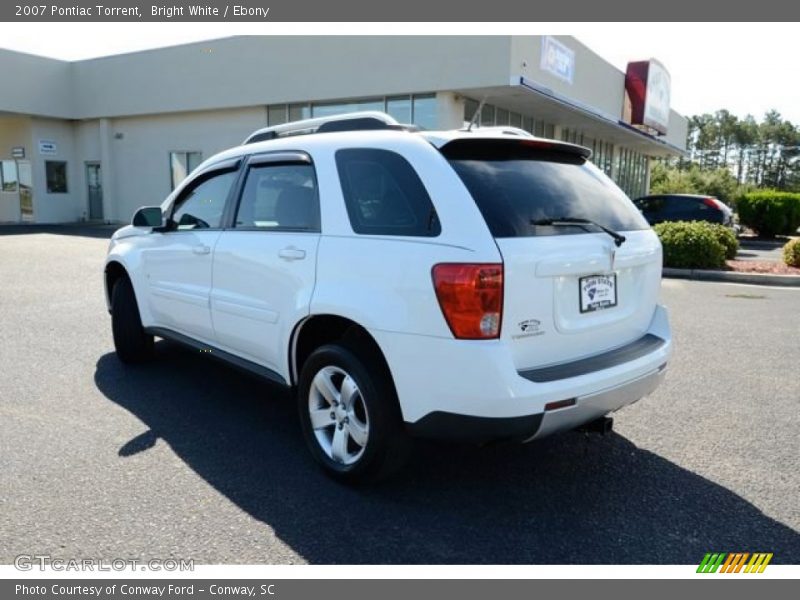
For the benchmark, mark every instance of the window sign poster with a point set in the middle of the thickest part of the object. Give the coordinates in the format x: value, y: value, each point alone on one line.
x: 47, y: 147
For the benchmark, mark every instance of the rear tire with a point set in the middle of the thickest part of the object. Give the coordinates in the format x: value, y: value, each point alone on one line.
x: 350, y: 415
x: 132, y: 343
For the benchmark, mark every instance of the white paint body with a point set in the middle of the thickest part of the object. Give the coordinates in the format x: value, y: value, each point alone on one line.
x: 241, y: 297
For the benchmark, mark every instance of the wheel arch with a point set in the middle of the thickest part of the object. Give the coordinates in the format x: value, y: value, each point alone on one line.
x: 113, y: 272
x: 316, y: 330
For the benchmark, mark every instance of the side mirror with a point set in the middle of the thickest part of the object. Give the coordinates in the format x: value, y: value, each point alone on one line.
x: 148, y: 216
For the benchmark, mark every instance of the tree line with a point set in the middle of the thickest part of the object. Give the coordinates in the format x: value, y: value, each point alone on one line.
x: 728, y: 155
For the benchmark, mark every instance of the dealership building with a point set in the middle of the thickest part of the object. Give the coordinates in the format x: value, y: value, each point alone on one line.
x: 95, y: 139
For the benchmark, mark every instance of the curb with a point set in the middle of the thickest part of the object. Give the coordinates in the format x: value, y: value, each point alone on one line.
x: 732, y: 277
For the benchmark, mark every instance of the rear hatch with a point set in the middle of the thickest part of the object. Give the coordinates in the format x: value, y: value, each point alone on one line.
x: 570, y: 290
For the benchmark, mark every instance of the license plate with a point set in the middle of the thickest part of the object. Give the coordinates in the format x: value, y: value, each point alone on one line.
x: 597, y: 292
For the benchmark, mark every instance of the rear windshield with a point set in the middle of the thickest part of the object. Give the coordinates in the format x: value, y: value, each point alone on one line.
x: 514, y: 183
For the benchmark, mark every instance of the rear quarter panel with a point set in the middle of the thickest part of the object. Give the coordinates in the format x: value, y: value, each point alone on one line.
x: 384, y: 282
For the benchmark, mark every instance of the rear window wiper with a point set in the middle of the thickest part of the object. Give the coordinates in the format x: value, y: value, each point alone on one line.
x: 576, y: 222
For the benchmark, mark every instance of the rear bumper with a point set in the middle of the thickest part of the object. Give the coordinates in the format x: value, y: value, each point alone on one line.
x: 590, y: 407
x: 467, y: 428
x: 471, y: 391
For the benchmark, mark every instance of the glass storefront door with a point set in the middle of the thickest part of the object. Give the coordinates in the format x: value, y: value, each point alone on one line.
x: 25, y: 174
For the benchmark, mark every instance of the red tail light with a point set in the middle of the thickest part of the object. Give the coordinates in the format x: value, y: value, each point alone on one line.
x: 471, y: 298
x: 711, y: 202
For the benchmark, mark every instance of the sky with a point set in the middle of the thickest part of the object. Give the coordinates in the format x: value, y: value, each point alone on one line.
x: 744, y: 67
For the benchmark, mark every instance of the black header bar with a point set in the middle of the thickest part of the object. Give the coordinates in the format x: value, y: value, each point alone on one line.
x: 241, y: 11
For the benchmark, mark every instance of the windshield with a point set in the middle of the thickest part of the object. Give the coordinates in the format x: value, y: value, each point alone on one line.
x: 515, y: 184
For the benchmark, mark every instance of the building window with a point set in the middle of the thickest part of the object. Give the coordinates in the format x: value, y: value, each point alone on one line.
x: 419, y: 109
x: 470, y: 108
x: 298, y: 112
x: 56, y: 174
x: 384, y: 195
x: 602, y: 154
x: 491, y: 115
x: 276, y: 115
x: 529, y: 125
x: 8, y: 176
x: 181, y: 164
x: 425, y: 112
x: 329, y: 109
x: 399, y: 108
x: 501, y: 117
x: 487, y: 116
x: 631, y: 172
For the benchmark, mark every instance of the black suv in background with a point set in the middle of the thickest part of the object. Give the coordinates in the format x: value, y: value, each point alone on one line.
x: 684, y: 207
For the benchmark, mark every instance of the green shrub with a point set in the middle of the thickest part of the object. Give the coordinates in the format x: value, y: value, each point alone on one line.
x: 719, y: 183
x: 727, y: 238
x: 769, y: 212
x: 791, y: 253
x: 740, y: 193
x: 691, y: 245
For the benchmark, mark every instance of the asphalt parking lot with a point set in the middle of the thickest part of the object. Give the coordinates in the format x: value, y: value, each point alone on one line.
x: 186, y: 458
x: 753, y: 249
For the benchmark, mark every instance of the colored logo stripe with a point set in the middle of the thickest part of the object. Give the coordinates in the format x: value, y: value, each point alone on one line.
x: 758, y: 563
x: 734, y: 561
x: 711, y: 562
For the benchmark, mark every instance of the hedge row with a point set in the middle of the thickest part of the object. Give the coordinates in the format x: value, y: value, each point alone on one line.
x: 769, y: 212
x: 696, y: 244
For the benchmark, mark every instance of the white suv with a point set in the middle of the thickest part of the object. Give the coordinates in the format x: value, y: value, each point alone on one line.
x: 473, y: 285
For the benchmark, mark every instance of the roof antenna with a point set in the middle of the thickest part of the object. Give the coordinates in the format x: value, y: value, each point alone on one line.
x: 477, y: 114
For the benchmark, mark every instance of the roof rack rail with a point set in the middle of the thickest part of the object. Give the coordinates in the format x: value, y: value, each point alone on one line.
x: 355, y: 121
x: 507, y: 129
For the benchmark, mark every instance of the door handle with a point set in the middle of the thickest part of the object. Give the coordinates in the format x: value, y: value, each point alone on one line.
x: 201, y: 249
x: 292, y: 253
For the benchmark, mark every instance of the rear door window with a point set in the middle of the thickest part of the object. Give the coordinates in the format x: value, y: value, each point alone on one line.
x: 704, y: 212
x: 680, y: 208
x: 672, y: 207
x: 651, y: 207
x: 515, y: 182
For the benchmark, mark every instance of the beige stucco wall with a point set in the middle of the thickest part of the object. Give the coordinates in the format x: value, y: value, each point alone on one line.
x: 41, y: 86
x: 596, y: 82
x: 258, y: 70
x: 129, y: 111
x: 47, y: 207
x: 140, y: 159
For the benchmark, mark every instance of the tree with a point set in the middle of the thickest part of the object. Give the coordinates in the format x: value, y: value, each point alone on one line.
x: 745, y: 135
x: 727, y: 153
x: 719, y: 183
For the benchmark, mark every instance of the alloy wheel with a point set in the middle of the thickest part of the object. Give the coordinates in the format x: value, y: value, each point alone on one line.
x: 338, y: 415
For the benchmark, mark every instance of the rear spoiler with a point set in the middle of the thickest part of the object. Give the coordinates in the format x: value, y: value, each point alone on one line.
x: 508, y: 147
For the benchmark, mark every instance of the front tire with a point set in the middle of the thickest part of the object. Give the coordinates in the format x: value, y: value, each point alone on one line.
x: 132, y: 343
x: 350, y: 416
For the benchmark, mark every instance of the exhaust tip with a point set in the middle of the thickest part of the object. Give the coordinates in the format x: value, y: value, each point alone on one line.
x: 603, y: 426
